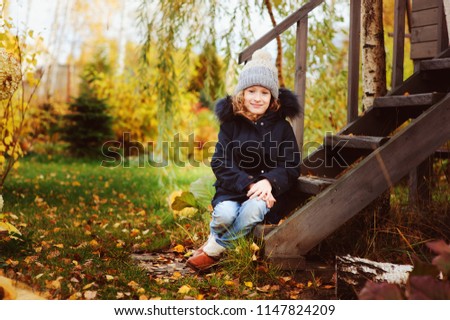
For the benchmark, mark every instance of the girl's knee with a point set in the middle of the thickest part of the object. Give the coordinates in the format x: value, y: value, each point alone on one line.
x: 225, y: 213
x: 255, y: 210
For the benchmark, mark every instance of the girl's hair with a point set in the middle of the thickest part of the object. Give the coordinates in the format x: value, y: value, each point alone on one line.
x: 239, y: 108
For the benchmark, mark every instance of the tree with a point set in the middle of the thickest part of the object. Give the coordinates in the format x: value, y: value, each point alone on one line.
x: 88, y: 124
x: 208, y: 78
x: 373, y: 52
x: 176, y: 25
x: 18, y: 83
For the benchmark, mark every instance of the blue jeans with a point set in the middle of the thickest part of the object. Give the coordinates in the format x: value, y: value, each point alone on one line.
x: 232, y: 220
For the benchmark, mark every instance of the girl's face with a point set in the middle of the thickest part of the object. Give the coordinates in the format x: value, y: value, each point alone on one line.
x: 257, y: 99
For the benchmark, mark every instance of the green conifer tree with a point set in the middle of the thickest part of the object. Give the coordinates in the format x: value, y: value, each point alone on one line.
x: 88, y: 124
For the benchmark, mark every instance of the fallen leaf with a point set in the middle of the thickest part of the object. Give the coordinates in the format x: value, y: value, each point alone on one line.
x: 90, y: 295
x: 184, y: 289
x: 89, y: 285
x: 254, y: 247
x: 248, y: 284
x: 134, y: 285
x: 178, y: 248
x: 264, y: 289
x: 109, y: 277
x: 76, y: 296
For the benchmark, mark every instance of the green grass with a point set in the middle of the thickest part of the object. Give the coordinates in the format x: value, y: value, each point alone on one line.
x: 81, y: 222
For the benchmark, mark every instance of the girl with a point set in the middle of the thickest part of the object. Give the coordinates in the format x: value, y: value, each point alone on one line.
x: 256, y: 159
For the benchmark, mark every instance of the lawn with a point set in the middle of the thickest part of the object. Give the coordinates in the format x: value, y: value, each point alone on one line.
x: 80, y: 223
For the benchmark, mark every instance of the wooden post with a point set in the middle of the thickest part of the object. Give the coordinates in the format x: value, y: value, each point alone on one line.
x: 354, y: 60
x: 399, y: 43
x: 420, y: 184
x: 443, y: 39
x: 447, y: 15
x: 300, y: 78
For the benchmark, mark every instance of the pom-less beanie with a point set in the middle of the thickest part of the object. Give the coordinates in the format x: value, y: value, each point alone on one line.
x: 260, y: 71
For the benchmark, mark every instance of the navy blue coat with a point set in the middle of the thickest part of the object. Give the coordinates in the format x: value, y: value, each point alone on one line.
x: 248, y: 151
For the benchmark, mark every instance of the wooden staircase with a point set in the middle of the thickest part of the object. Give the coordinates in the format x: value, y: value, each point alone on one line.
x: 355, y: 166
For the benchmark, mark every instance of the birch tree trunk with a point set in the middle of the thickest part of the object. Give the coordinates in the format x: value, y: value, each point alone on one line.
x: 373, y: 53
x: 447, y: 13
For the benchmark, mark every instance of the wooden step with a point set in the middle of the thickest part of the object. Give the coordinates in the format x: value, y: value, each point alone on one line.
x: 442, y: 153
x: 354, y: 142
x: 435, y: 64
x: 423, y: 99
x: 313, y: 185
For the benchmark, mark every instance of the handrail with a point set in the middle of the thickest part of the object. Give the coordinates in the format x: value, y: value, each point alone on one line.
x: 277, y: 30
x: 402, y: 19
x: 300, y: 17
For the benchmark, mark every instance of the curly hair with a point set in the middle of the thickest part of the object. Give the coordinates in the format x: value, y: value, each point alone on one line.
x: 239, y: 107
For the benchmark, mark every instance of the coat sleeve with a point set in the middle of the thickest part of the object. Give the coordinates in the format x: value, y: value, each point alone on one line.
x: 287, y: 169
x: 228, y: 174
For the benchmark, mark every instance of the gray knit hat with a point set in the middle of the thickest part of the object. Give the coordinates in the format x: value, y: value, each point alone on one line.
x: 260, y: 71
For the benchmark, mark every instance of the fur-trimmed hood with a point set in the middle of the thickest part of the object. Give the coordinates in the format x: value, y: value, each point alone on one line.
x: 289, y: 106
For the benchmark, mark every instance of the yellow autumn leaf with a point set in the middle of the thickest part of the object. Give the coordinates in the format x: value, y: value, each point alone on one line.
x: 109, y: 277
x: 229, y: 283
x: 9, y: 292
x: 134, y: 285
x: 76, y: 296
x: 176, y: 275
x: 200, y: 297
x: 59, y: 245
x: 178, y: 248
x: 254, y: 247
x: 93, y: 243
x: 6, y: 226
x: 184, y: 289
x: 17, y: 290
x: 248, y: 284
x: 8, y: 140
x: 134, y: 232
x: 89, y: 285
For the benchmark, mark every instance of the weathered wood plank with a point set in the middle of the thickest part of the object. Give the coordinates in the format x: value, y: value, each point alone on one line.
x: 425, y: 17
x: 443, y: 41
x: 423, y: 99
x: 354, y: 142
x: 261, y: 230
x: 435, y: 64
x: 309, y: 225
x: 301, y: 47
x: 424, y: 34
x: 418, y: 5
x: 279, y: 29
x: 420, y: 184
x: 313, y: 185
x: 399, y: 43
x: 424, y: 50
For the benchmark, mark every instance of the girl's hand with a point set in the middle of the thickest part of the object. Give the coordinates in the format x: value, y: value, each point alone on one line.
x: 260, y: 189
x: 270, y: 201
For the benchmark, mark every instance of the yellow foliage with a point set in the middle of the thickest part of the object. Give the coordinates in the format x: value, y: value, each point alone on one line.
x: 187, y: 212
x: 184, y: 289
x: 15, y: 290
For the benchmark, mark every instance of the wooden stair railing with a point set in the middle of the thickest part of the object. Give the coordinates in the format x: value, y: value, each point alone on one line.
x: 299, y: 17
x: 378, y: 155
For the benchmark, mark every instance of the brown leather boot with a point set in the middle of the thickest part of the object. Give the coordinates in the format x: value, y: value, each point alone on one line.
x: 201, y: 262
